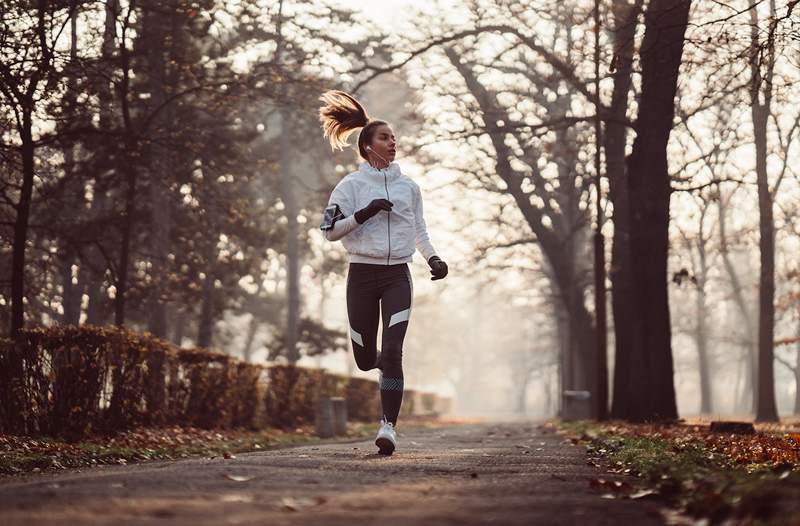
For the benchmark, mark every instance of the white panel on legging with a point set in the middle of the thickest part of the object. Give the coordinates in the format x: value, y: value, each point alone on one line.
x: 399, y: 317
x: 356, y: 337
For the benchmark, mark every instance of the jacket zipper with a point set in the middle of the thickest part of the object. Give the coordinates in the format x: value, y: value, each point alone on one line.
x: 388, y: 220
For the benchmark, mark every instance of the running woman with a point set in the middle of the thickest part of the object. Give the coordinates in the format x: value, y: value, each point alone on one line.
x: 376, y: 212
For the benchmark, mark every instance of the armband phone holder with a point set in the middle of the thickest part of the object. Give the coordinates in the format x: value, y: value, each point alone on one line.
x: 332, y: 214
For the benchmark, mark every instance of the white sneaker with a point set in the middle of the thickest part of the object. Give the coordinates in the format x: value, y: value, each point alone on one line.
x: 387, y: 438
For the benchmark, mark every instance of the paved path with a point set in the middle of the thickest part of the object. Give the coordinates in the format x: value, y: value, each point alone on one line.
x: 498, y: 473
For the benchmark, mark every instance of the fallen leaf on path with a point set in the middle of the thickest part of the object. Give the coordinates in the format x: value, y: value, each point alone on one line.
x: 237, y: 478
x: 234, y: 497
x: 641, y: 494
x: 296, y: 504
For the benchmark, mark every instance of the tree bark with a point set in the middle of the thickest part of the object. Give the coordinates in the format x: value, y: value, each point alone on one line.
x: 644, y: 385
x: 21, y: 223
x: 71, y: 294
x: 179, y: 327
x: 252, y: 328
x: 205, y: 325
x: 290, y: 208
x: 131, y: 176
x: 797, y: 373
x: 601, y: 325
x: 91, y: 279
x: 614, y: 142
x: 761, y: 87
x: 156, y: 28
x: 292, y: 248
x: 701, y: 332
x: 742, y: 304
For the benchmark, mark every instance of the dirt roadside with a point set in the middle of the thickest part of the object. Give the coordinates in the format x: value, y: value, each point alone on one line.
x: 498, y: 473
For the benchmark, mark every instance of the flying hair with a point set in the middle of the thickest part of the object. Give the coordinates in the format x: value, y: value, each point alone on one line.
x: 340, y: 116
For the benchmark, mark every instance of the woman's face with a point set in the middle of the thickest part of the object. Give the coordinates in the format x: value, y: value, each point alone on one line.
x: 383, y: 144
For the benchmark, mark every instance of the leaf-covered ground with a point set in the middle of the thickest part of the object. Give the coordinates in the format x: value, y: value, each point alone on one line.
x: 20, y: 454
x: 712, y: 477
x: 33, y: 454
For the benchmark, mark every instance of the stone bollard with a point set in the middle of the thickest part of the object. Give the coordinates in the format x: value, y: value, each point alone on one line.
x: 339, y: 406
x: 323, y: 417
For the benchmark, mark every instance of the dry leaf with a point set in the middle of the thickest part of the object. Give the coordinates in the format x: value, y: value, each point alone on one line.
x: 238, y: 478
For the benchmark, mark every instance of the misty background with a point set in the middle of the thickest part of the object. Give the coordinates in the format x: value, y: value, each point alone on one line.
x: 178, y: 175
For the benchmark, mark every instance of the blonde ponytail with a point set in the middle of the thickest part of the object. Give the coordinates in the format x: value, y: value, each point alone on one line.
x: 340, y: 116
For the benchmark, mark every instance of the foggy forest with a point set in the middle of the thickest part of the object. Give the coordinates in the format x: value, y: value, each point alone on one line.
x: 619, y: 208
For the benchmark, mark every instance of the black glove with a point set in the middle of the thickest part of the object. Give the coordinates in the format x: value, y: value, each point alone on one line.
x: 375, y: 206
x: 438, y: 268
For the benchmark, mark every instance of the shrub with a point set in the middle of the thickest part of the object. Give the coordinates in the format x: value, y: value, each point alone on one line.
x: 69, y: 381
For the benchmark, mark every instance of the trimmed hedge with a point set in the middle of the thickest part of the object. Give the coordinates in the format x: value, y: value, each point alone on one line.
x: 69, y: 381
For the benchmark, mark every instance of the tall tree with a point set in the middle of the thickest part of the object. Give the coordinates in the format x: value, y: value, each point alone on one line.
x: 643, y: 378
x: 762, y: 71
x: 28, y: 30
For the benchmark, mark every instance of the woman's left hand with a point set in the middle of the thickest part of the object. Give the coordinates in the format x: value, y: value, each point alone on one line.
x: 438, y: 268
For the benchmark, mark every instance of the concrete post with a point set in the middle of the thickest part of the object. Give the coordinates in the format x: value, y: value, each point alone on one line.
x: 339, y: 407
x: 323, y: 417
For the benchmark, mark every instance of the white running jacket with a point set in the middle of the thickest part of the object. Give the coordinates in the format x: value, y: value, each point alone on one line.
x: 387, y: 238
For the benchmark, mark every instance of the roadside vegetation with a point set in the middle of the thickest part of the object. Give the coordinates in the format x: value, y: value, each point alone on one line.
x: 715, y: 478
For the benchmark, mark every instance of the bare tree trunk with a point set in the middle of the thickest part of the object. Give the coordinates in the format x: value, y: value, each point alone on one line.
x: 91, y: 279
x: 71, y: 295
x: 559, y: 249
x: 205, y: 325
x: 288, y: 197
x: 742, y: 305
x: 547, y: 382
x: 565, y: 354
x: 521, y: 399
x: 252, y: 328
x: 131, y: 175
x: 206, y: 321
x: 615, y: 140
x: 21, y: 224
x: 797, y: 373
x: 644, y: 386
x: 766, y: 409
x: 701, y: 337
x: 23, y: 96
x: 292, y: 248
x: 179, y: 327
x: 601, y: 324
x: 155, y: 29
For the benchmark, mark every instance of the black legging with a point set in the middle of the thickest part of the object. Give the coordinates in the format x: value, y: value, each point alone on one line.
x: 391, y: 285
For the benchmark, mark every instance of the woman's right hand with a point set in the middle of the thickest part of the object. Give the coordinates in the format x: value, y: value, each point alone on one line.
x: 375, y: 206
